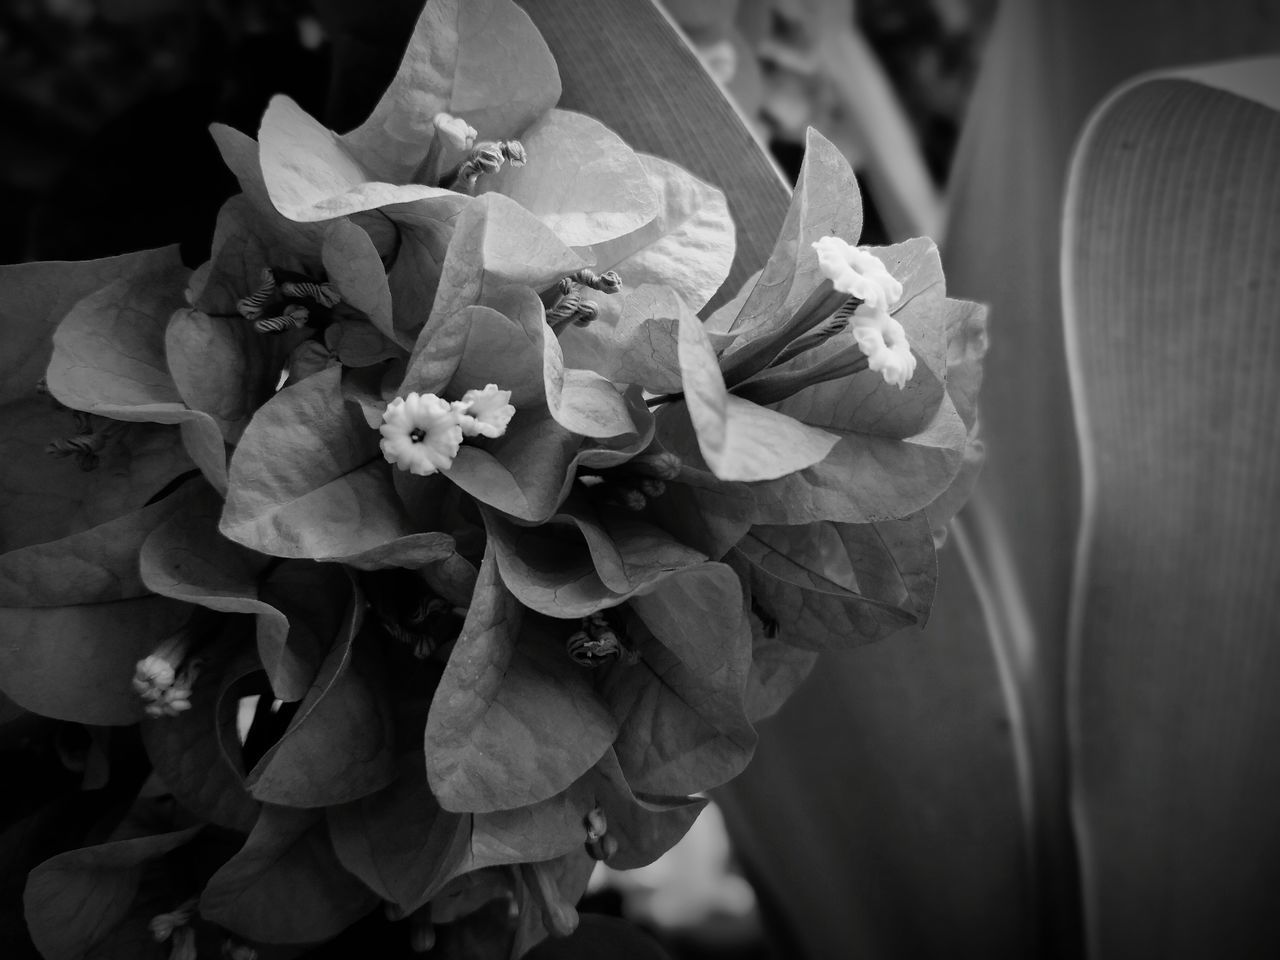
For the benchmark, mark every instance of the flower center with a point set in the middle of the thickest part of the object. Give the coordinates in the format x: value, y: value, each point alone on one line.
x: 417, y: 435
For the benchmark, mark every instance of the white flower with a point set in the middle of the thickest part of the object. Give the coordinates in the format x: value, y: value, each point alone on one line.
x: 857, y: 273
x: 486, y: 412
x: 420, y: 433
x: 456, y: 132
x: 884, y: 342
x: 166, y: 692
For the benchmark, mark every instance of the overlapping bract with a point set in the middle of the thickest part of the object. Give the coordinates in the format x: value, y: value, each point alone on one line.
x: 578, y: 611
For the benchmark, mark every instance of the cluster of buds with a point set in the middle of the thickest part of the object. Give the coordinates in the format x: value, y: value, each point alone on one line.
x: 163, y: 681
x: 421, y: 433
x: 643, y: 479
x: 260, y: 306
x: 570, y: 304
x: 488, y: 157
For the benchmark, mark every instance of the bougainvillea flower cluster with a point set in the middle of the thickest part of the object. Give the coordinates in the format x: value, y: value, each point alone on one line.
x: 440, y: 538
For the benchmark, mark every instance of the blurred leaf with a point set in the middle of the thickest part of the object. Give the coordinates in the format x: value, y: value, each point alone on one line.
x: 1170, y: 283
x: 877, y: 788
x: 514, y: 720
x: 75, y: 899
x: 581, y: 180
x: 285, y: 885
x: 598, y: 936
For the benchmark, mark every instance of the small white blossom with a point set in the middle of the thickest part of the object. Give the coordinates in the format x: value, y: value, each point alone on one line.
x: 456, y: 132
x: 884, y: 342
x: 165, y: 691
x: 485, y: 413
x: 857, y: 273
x: 421, y: 433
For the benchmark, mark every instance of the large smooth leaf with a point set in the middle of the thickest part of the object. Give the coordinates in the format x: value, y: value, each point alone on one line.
x: 514, y: 720
x: 581, y: 180
x: 74, y: 900
x: 285, y: 885
x: 309, y: 481
x: 1173, y: 188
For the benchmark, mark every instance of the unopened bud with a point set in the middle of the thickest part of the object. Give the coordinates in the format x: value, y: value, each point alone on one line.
x: 607, y: 282
x: 663, y: 466
x: 422, y: 933
x: 595, y: 824
x: 514, y: 152
x: 652, y: 487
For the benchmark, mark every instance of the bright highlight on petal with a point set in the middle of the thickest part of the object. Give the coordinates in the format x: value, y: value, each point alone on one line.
x: 884, y: 342
x: 485, y: 413
x: 421, y: 433
x: 857, y: 273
